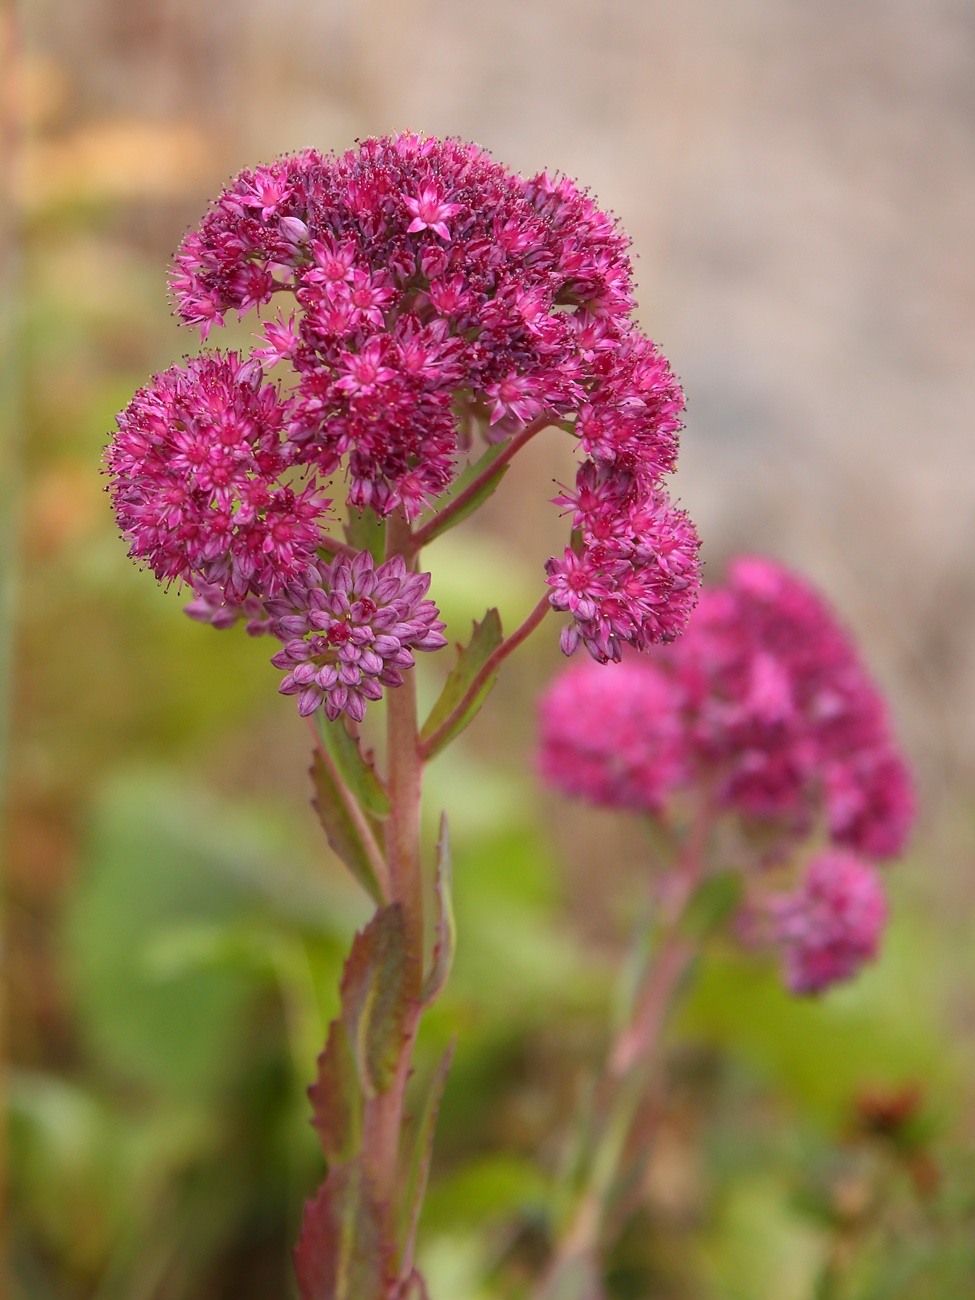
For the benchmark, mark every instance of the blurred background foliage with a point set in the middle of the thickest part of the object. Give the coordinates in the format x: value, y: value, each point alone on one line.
x: 799, y: 184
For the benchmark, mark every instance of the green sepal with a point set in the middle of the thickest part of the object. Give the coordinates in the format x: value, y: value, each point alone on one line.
x: 356, y: 769
x: 714, y: 900
x: 443, y: 948
x: 486, y: 636
x: 461, y: 483
x: 340, y: 828
x: 376, y: 994
x: 367, y: 532
x: 336, y: 1098
x: 346, y: 1249
x: 417, y: 1167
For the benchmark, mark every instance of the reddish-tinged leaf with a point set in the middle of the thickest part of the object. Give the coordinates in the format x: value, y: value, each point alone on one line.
x: 336, y: 1098
x: 486, y: 636
x: 344, y: 1251
x: 443, y: 948
x: 345, y: 837
x: 418, y: 1169
x: 356, y: 769
x: 378, y: 984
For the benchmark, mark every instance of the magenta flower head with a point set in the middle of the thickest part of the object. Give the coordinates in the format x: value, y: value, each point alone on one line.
x: 197, y: 466
x: 434, y: 288
x: 613, y: 737
x: 349, y: 629
x: 434, y: 297
x: 784, y: 715
x: 831, y: 924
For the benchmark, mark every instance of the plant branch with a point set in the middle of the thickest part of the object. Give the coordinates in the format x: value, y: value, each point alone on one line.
x: 329, y: 543
x: 625, y: 1074
x: 488, y: 669
x: 383, y: 1117
x: 423, y: 535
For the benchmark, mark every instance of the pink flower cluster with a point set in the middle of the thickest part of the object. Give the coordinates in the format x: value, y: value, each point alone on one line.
x: 198, y: 468
x: 831, y: 924
x: 762, y: 707
x: 433, y: 287
x: 783, y: 715
x: 596, y: 741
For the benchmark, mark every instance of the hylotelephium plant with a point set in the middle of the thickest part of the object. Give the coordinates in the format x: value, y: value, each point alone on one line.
x: 442, y: 311
x: 761, y: 753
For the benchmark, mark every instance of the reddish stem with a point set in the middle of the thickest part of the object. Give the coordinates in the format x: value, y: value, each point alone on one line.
x: 329, y: 543
x: 453, y: 507
x: 489, y: 667
x: 383, y: 1118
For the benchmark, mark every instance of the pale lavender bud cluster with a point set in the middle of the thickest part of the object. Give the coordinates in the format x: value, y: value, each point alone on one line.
x: 349, y: 629
x: 831, y: 924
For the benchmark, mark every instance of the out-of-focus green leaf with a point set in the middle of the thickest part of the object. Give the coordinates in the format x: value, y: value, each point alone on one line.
x: 714, y: 900
x: 356, y: 769
x: 443, y: 948
x: 149, y: 869
x: 376, y: 990
x: 341, y: 831
x: 486, y: 636
x: 367, y: 532
x: 484, y: 1190
x: 336, y: 1098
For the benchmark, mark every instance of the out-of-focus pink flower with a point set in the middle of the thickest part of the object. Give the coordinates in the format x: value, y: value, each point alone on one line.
x: 784, y: 715
x: 613, y: 737
x: 779, y: 718
x: 831, y: 924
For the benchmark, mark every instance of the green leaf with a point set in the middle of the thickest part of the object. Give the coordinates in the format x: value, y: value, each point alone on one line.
x: 356, y: 769
x: 376, y: 993
x: 345, y: 1249
x: 443, y: 948
x: 486, y: 636
x: 463, y: 481
x: 367, y: 532
x: 418, y: 1168
x: 340, y: 828
x: 712, y: 902
x: 336, y: 1098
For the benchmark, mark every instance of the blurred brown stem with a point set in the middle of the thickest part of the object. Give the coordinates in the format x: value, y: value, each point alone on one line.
x: 622, y: 1087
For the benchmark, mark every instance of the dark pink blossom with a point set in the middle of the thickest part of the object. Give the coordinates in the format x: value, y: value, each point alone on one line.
x: 784, y: 714
x: 613, y: 737
x: 349, y: 629
x: 424, y: 271
x: 197, y: 468
x: 832, y: 924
